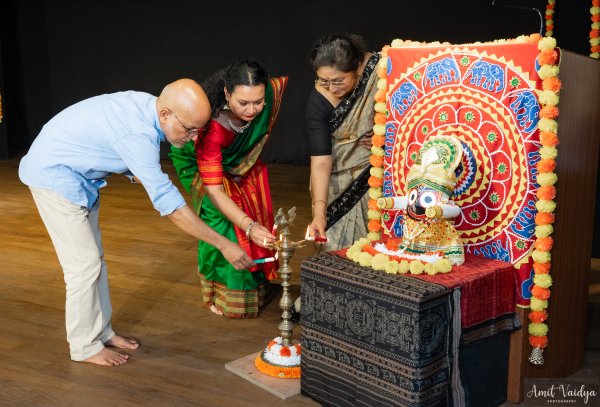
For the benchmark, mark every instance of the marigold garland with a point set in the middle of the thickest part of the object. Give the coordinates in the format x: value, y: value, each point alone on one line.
x: 277, y: 371
x: 546, y: 193
x: 595, y: 31
x: 363, y: 252
x: 550, y: 18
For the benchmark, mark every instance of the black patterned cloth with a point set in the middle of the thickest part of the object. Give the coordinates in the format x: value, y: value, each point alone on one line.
x: 374, y: 339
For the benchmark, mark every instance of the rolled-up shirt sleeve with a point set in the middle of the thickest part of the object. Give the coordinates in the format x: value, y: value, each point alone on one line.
x: 141, y: 155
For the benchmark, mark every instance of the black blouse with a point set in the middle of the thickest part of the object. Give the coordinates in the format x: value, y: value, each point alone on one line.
x: 318, y: 112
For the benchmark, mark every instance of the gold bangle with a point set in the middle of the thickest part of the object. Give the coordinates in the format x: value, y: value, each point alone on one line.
x: 249, y: 228
x: 319, y: 200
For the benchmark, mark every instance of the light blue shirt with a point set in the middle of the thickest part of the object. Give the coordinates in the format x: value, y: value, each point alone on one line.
x: 82, y: 145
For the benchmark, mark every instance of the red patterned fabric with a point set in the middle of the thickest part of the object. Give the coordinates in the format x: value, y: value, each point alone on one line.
x: 214, y: 139
x: 485, y: 95
x: 487, y: 288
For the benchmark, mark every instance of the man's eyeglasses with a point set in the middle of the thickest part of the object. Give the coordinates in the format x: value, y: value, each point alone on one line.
x: 334, y: 83
x: 190, y: 131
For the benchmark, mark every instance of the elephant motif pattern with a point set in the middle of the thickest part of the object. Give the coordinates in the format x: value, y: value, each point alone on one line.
x: 486, y: 75
x: 526, y: 109
x: 404, y: 97
x: 486, y: 95
x: 441, y: 72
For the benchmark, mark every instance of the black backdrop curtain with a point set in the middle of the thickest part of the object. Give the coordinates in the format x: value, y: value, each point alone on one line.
x: 55, y: 53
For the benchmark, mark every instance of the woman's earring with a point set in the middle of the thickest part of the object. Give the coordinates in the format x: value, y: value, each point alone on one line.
x: 226, y: 107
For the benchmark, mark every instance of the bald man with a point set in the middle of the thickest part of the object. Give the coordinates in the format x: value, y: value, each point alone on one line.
x: 67, y: 165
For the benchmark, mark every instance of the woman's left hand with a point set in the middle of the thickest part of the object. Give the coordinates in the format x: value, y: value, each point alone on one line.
x: 366, y: 140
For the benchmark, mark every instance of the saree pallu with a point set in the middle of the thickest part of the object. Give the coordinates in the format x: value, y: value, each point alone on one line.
x: 348, y: 188
x: 237, y: 293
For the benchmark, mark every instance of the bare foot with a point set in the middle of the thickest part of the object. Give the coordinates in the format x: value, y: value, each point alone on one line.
x: 122, y: 342
x: 214, y: 309
x: 107, y: 357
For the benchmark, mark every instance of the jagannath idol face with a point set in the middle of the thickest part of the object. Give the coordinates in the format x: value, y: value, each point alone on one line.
x: 420, y: 198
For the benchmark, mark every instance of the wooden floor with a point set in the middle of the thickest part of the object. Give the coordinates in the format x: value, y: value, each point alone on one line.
x: 156, y: 298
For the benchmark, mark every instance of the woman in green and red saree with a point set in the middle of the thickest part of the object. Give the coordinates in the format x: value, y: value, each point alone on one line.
x: 230, y: 187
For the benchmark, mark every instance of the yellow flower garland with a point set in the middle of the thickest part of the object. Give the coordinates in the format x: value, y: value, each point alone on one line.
x: 595, y: 31
x: 550, y: 18
x: 548, y: 127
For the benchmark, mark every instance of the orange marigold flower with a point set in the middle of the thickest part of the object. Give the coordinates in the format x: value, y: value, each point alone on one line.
x: 544, y: 218
x: 393, y: 243
x: 541, y: 268
x: 549, y: 27
x: 376, y: 161
x: 538, y: 341
x: 538, y: 316
x: 540, y: 292
x: 380, y: 95
x: 545, y: 165
x: 374, y: 226
x: 548, y: 57
x: 546, y: 192
x: 548, y: 16
x: 550, y: 112
x: 596, y: 3
x: 548, y: 138
x: 378, y: 141
x: 373, y: 204
x: 379, y: 118
x: 596, y: 18
x: 367, y: 248
x: 594, y: 33
x: 596, y: 48
x: 535, y: 38
x: 544, y: 244
x: 271, y: 344
x: 549, y: 6
x: 381, y: 72
x: 285, y: 352
x: 552, y: 83
x: 375, y: 182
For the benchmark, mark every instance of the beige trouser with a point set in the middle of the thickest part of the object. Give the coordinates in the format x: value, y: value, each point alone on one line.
x: 76, y: 237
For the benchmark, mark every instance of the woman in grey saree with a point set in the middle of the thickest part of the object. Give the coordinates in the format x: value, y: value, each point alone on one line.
x: 339, y: 122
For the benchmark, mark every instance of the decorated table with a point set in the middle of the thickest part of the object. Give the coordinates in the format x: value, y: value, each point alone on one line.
x: 377, y: 339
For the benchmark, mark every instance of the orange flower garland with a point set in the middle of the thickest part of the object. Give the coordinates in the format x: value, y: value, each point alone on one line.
x: 364, y: 253
x: 376, y: 179
x: 546, y: 178
x: 550, y: 18
x: 595, y: 31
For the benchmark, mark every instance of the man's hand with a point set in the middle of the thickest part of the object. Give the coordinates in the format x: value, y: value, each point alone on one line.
x: 189, y: 222
x: 236, y: 256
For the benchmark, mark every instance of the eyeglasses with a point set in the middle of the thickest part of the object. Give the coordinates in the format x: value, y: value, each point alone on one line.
x: 333, y: 83
x: 190, y: 131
